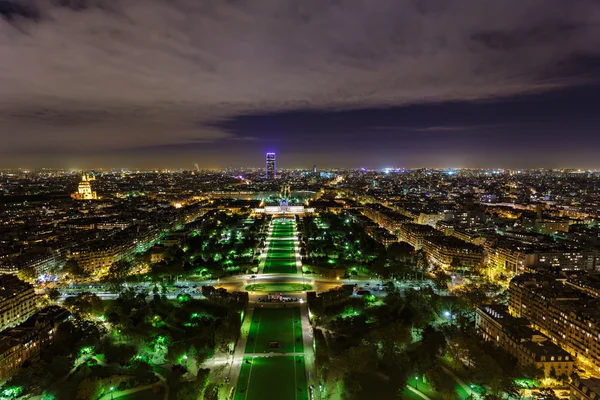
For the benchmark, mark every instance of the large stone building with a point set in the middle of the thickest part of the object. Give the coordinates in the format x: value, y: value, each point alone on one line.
x: 585, y: 389
x: 451, y: 253
x: 17, y: 301
x: 41, y: 263
x: 26, y: 342
x: 516, y: 337
x: 567, y: 315
x: 99, y: 256
x: 514, y: 257
x: 386, y: 218
x: 415, y: 234
x: 84, y: 190
x: 20, y: 346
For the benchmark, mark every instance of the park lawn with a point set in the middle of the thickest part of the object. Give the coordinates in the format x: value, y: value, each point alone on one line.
x: 298, y: 347
x: 243, y: 380
x: 273, y: 325
x: 281, y: 258
x: 273, y: 378
x: 278, y: 287
x: 281, y: 245
x: 301, y: 378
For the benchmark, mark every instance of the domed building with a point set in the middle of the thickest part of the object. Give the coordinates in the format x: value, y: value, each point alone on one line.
x: 84, y: 190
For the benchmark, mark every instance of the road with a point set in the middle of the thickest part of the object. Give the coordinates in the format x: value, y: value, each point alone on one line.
x: 232, y: 284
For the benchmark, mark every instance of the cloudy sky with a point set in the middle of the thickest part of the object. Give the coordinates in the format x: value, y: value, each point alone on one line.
x: 169, y: 83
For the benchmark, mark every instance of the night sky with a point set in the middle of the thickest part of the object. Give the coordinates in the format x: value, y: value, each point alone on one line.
x: 337, y: 83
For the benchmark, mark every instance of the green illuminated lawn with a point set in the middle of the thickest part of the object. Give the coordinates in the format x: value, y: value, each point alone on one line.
x: 281, y: 255
x: 276, y: 377
x: 278, y: 287
x: 272, y: 378
x: 280, y: 325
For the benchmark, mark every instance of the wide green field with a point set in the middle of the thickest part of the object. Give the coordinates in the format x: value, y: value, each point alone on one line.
x: 281, y: 255
x: 272, y: 378
x: 275, y: 325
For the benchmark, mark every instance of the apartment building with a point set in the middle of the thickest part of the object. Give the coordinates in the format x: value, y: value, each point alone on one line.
x: 568, y: 316
x: 415, y: 234
x: 17, y: 301
x: 516, y: 337
x: 451, y: 253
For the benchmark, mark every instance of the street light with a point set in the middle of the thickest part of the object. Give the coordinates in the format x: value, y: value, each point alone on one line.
x: 416, y: 383
x: 112, y: 393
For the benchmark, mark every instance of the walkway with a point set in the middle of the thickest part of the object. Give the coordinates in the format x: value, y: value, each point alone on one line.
x: 466, y: 387
x: 115, y: 395
x: 418, y: 392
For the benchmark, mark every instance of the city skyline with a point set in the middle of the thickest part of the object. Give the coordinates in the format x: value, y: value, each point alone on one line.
x: 155, y: 85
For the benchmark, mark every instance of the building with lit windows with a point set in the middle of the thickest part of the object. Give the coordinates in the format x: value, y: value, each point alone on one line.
x: 567, y: 315
x: 513, y: 256
x: 25, y: 342
x: 16, y: 349
x: 451, y: 253
x: 17, y: 301
x: 414, y: 234
x: 516, y: 337
x: 585, y: 389
x: 270, y: 168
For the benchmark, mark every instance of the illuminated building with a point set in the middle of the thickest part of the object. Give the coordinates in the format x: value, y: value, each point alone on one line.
x: 516, y: 337
x: 414, y: 234
x: 568, y: 316
x: 16, y: 349
x: 385, y: 217
x: 84, y: 190
x: 514, y: 257
x: 17, y: 301
x: 585, y: 389
x: 26, y: 342
x: 270, y: 168
x: 452, y: 253
x: 101, y: 255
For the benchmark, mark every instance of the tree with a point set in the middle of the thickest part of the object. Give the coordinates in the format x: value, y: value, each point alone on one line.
x: 28, y: 274
x: 212, y: 391
x: 89, y: 388
x: 119, y: 270
x: 72, y: 267
x: 53, y: 294
x: 84, y: 303
x: 61, y: 365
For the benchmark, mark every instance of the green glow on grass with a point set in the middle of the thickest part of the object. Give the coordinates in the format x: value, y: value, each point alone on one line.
x: 86, y: 350
x: 12, y: 392
x: 184, y: 298
x: 162, y: 340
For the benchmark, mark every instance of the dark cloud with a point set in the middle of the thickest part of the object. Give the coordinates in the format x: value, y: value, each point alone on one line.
x: 114, y: 75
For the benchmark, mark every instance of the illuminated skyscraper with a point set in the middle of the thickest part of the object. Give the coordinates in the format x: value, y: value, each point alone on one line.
x: 270, y: 171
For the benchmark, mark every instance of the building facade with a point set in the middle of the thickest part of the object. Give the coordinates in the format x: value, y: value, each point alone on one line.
x: 516, y: 337
x: 415, y: 234
x: 270, y: 167
x: 568, y: 316
x: 451, y: 253
x: 84, y: 189
x: 17, y: 301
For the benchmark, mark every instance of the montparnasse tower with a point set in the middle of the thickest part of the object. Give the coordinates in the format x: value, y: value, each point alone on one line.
x: 84, y: 190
